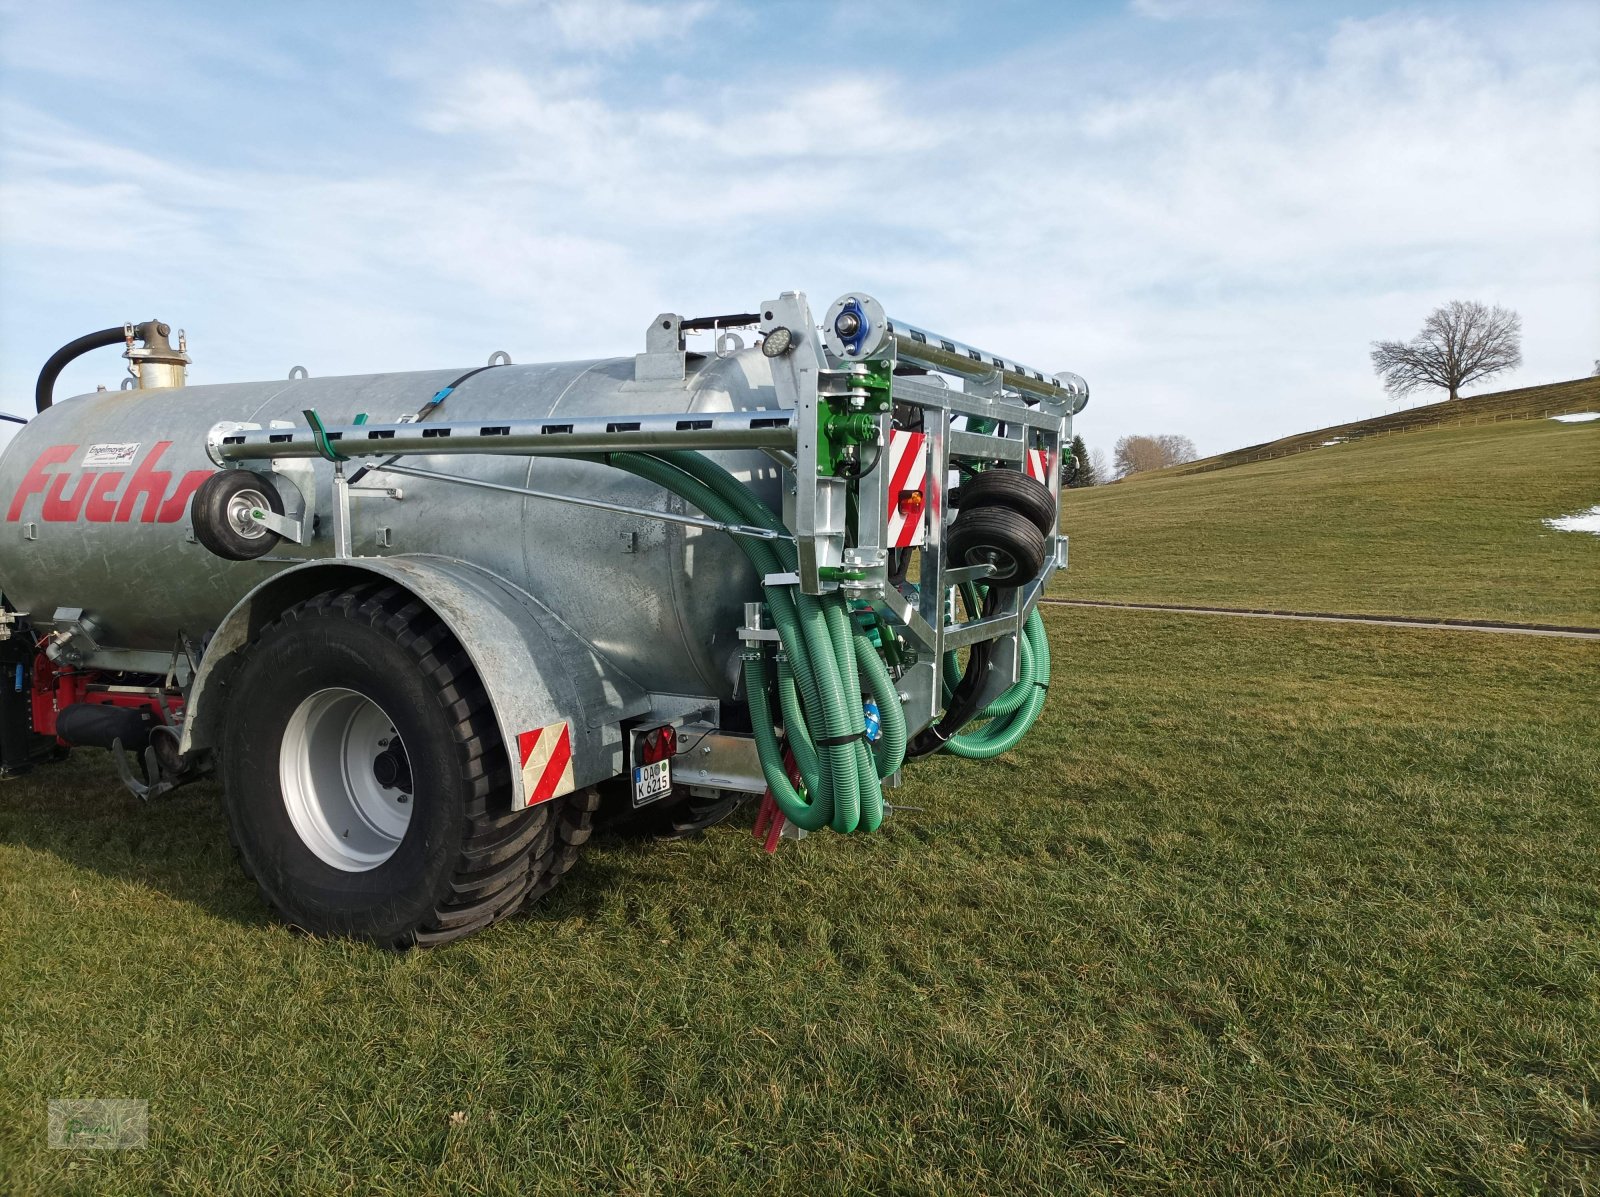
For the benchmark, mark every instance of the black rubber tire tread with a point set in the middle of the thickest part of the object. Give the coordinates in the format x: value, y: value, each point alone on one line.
x: 575, y: 824
x: 1014, y: 489
x: 208, y: 515
x: 999, y: 528
x: 503, y: 857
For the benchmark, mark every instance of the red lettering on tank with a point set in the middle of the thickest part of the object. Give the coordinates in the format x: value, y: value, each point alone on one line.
x: 172, y: 510
x: 102, y: 505
x: 58, y: 507
x: 146, y: 481
x: 35, y: 480
x: 91, y: 494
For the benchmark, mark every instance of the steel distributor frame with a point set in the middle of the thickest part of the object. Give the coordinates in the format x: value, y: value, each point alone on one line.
x: 1003, y: 413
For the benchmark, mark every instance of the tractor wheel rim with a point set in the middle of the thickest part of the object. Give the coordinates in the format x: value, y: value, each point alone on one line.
x: 333, y: 787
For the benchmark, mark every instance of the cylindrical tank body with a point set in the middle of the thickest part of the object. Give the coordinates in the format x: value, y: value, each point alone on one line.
x: 95, y: 509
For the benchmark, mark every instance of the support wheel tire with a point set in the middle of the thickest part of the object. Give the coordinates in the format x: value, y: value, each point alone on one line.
x: 366, y: 785
x: 1014, y: 489
x: 1000, y: 537
x: 220, y: 514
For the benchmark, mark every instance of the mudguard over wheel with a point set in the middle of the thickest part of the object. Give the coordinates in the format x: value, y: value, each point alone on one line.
x: 366, y: 785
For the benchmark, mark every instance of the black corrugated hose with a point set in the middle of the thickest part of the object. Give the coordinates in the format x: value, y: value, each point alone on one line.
x: 44, y: 389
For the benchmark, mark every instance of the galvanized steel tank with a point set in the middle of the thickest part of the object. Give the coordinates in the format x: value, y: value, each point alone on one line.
x: 95, y: 493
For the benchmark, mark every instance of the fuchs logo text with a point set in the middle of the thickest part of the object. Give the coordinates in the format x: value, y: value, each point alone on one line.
x: 100, y: 496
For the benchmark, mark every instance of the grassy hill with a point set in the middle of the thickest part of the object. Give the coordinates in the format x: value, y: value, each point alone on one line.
x: 1553, y: 399
x: 1440, y: 522
x: 1258, y: 907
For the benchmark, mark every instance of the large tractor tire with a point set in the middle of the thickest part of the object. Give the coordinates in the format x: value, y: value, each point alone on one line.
x: 365, y: 782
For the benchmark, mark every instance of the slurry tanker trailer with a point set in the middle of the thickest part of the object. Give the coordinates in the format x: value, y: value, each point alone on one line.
x: 418, y: 624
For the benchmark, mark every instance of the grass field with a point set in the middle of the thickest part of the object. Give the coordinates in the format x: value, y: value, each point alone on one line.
x: 1577, y: 395
x: 1306, y: 908
x: 1442, y: 522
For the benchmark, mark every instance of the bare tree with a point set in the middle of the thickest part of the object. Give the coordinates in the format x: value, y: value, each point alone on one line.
x: 1099, y: 467
x: 1458, y: 344
x: 1136, y: 453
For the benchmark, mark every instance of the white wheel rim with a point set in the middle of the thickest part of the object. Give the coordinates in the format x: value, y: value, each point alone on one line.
x: 238, y: 514
x: 329, y: 772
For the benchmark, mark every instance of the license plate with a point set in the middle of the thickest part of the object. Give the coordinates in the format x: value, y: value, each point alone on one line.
x: 651, y: 782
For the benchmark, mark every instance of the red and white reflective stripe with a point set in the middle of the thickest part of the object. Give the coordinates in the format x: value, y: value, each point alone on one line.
x: 1039, y: 465
x: 908, y: 469
x: 546, y: 756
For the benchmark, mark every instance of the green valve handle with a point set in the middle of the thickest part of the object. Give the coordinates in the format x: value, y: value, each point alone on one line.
x: 835, y: 573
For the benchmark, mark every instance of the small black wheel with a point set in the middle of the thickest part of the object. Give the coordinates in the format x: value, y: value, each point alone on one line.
x: 1000, y: 537
x: 1013, y: 489
x: 366, y: 785
x: 220, y: 513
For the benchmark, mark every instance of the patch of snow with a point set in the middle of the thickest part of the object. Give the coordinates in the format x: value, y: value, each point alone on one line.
x: 1578, y: 417
x: 1338, y: 440
x: 1583, y: 521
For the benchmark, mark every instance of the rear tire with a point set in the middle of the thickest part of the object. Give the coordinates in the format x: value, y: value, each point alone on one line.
x: 1000, y: 537
x: 343, y: 702
x: 1020, y: 492
x: 219, y: 514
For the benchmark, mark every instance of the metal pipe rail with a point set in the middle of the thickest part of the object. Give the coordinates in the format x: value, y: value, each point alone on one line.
x: 857, y: 329
x: 556, y: 437
x: 953, y: 357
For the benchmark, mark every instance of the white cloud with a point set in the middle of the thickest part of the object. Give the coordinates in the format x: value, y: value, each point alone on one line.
x: 1162, y: 233
x: 613, y: 26
x: 1183, y: 10
x: 617, y: 24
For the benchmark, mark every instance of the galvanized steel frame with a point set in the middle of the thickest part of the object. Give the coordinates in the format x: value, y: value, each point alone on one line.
x: 1027, y: 410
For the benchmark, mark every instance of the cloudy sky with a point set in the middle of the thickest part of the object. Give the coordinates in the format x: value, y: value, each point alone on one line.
x: 1209, y: 208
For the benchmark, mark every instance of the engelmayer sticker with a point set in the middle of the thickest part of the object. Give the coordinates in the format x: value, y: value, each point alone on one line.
x: 97, y: 457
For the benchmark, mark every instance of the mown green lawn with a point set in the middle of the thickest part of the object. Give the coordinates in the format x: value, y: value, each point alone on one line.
x: 1307, y: 908
x: 1445, y: 522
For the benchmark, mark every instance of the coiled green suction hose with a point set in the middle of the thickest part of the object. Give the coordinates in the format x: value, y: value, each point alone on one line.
x: 825, y: 664
x: 824, y: 657
x: 1017, y: 709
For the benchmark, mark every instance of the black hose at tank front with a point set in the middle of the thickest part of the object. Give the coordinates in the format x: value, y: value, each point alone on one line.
x: 44, y: 389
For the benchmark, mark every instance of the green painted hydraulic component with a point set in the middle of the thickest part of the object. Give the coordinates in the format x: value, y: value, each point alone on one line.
x: 845, y: 422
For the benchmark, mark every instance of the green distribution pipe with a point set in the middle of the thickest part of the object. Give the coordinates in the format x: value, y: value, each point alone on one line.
x: 821, y: 669
x: 803, y: 629
x: 857, y: 794
x: 852, y: 650
x: 825, y: 665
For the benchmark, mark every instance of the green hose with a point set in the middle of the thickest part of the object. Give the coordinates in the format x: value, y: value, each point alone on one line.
x: 841, y: 779
x: 1017, y: 709
x: 825, y: 665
